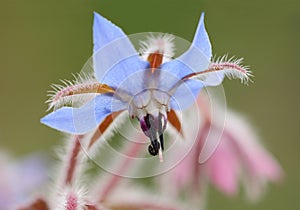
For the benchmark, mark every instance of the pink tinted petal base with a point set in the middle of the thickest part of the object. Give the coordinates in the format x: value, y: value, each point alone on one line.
x: 124, y: 165
x: 223, y: 168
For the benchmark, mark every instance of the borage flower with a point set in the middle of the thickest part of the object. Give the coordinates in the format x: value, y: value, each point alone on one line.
x: 150, y: 86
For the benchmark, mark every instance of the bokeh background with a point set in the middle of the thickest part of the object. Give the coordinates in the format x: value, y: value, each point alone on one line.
x: 44, y: 41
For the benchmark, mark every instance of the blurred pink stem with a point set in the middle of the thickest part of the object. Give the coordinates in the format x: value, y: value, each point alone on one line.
x: 132, y: 151
x: 73, y: 160
x: 202, y: 135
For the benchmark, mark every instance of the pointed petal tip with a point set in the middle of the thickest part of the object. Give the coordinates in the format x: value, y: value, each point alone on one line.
x: 42, y: 120
x: 202, y: 15
x: 99, y: 17
x: 80, y: 120
x: 61, y: 120
x: 201, y: 38
x: 45, y: 120
x: 201, y: 19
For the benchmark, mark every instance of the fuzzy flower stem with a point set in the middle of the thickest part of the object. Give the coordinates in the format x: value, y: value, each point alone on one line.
x: 202, y: 135
x: 112, y: 183
x: 72, y: 162
x: 80, y: 89
x: 230, y: 69
x: 62, y: 95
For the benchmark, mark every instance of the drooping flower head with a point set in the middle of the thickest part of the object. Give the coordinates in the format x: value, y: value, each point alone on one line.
x: 150, y: 86
x: 238, y: 158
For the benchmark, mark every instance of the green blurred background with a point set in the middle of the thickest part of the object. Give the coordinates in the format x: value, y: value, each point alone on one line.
x: 44, y: 41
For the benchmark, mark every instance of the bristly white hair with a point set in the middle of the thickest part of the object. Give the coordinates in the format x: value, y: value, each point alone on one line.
x: 161, y: 43
x: 234, y: 69
x: 217, y: 70
x: 63, y: 94
x: 70, y: 197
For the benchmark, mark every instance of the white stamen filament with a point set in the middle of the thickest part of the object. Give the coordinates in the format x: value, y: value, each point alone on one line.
x: 160, y: 155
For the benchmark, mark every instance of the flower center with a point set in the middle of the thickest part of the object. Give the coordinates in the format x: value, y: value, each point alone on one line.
x: 150, y: 107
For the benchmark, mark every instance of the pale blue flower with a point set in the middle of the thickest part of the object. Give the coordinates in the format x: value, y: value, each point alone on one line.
x: 149, y: 89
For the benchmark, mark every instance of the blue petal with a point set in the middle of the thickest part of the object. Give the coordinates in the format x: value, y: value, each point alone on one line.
x: 111, y: 48
x: 196, y: 58
x: 201, y: 39
x: 105, y: 32
x: 186, y: 94
x: 83, y: 119
x: 213, y: 78
x: 127, y: 73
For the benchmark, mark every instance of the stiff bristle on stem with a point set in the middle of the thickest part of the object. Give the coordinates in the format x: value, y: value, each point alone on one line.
x: 231, y: 68
x: 76, y: 92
